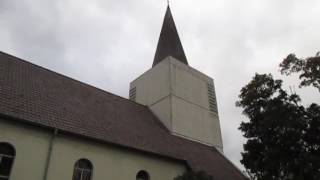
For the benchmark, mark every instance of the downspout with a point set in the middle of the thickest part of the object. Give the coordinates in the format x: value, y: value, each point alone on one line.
x: 49, y: 154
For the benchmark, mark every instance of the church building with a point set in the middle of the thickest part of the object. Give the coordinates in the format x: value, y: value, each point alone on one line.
x: 53, y: 127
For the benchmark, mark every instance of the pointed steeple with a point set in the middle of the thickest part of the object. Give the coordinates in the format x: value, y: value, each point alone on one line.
x: 169, y: 43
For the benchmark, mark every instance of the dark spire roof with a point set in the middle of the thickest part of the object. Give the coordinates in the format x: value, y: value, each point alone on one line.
x: 169, y: 42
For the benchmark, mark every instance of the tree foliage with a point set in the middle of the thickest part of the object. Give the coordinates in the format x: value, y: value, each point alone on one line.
x: 283, y: 135
x: 194, y: 175
x: 308, y: 68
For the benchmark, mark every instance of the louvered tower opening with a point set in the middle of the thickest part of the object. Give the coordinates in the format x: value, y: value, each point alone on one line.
x: 132, y: 94
x: 212, y: 98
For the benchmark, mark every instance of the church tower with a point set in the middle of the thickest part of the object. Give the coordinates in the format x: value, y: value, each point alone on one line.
x: 180, y: 96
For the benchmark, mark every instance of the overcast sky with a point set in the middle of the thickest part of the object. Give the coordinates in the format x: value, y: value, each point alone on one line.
x: 108, y: 43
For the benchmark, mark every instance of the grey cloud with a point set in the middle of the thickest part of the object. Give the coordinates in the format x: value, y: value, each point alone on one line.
x: 109, y: 43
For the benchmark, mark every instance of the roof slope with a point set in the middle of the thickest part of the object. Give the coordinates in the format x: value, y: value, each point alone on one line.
x: 42, y: 97
x: 169, y: 43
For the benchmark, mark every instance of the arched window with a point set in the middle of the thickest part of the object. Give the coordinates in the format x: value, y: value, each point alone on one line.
x: 7, y: 154
x: 82, y: 170
x: 142, y: 175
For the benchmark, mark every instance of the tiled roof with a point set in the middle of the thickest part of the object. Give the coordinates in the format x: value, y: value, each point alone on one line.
x: 42, y: 97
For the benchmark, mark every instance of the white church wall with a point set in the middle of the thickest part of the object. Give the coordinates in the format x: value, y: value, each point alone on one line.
x: 178, y: 95
x: 152, y: 86
x: 153, y: 90
x: 162, y: 109
x: 109, y: 162
x: 31, y: 147
x: 191, y: 114
x: 189, y: 84
x: 197, y: 124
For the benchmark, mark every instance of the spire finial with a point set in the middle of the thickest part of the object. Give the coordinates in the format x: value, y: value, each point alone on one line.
x: 168, y: 2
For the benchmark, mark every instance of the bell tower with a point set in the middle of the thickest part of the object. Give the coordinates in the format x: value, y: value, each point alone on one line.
x: 182, y: 97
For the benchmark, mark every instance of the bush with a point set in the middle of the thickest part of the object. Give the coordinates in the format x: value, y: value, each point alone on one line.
x: 194, y: 175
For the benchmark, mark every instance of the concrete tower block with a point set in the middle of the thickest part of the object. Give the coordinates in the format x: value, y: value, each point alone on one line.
x: 182, y: 98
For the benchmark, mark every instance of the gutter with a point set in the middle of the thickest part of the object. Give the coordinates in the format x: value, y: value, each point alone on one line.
x: 46, y: 170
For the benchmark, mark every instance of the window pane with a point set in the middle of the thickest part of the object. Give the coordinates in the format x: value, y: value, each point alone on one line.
x: 5, y: 166
x: 82, y: 170
x: 7, y: 149
x: 83, y: 163
x: 76, y: 174
x: 86, y: 175
x: 142, y: 175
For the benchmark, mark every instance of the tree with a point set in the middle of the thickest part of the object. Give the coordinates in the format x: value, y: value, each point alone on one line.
x: 309, y: 69
x: 194, y: 175
x: 283, y: 135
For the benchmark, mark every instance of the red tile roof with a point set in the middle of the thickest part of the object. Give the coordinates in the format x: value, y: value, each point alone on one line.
x: 42, y: 97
